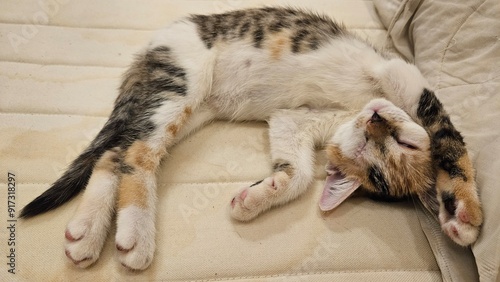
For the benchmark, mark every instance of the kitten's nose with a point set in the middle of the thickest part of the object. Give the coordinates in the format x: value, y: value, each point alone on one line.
x: 376, y: 118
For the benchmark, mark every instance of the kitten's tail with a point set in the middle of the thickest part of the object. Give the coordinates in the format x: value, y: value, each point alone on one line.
x: 75, y: 179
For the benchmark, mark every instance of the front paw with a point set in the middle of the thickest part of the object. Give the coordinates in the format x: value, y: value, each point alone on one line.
x: 460, y: 215
x: 259, y: 197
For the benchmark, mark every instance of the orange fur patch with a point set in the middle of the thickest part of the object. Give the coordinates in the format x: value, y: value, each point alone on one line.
x: 174, y: 127
x: 144, y: 161
x: 140, y: 155
x: 278, y: 46
x: 108, y: 161
x: 132, y: 192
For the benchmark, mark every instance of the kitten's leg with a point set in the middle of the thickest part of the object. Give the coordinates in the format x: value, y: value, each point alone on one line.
x: 135, y: 235
x: 177, y: 70
x: 87, y: 230
x: 460, y: 212
x: 292, y: 137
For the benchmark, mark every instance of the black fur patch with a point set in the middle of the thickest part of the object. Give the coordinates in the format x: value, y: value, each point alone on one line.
x: 378, y: 180
x: 281, y: 166
x: 308, y: 30
x: 386, y: 197
x: 450, y: 166
x: 298, y: 39
x: 244, y: 29
x: 125, y: 168
x: 447, y: 144
x: 278, y: 26
x: 449, y: 202
x: 429, y: 108
x: 258, y: 37
x: 449, y: 133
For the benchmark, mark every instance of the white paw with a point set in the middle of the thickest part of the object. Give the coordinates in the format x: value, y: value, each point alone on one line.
x: 259, y: 197
x: 135, y: 237
x: 455, y: 221
x: 85, y: 237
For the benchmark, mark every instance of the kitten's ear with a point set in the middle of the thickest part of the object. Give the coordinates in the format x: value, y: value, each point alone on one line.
x: 337, y: 189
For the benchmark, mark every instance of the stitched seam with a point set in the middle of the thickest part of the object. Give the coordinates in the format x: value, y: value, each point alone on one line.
x: 52, y: 114
x: 242, y: 182
x: 4, y: 60
x: 315, y: 273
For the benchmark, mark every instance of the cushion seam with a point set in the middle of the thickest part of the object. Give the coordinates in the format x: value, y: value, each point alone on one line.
x: 316, y: 273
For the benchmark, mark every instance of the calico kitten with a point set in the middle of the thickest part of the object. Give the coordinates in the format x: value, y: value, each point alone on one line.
x: 250, y: 65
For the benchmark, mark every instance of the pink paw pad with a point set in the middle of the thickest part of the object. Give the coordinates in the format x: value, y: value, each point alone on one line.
x: 70, y: 237
x: 68, y: 255
x: 464, y: 217
x: 123, y: 249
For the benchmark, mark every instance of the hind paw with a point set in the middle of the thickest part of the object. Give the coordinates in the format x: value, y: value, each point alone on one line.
x: 135, y: 238
x: 84, y: 241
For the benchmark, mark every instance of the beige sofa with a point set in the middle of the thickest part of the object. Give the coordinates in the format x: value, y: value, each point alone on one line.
x: 60, y: 66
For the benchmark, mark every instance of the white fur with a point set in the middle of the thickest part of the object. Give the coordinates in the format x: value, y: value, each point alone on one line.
x: 92, y: 219
x: 330, y: 77
x: 136, y: 234
x: 191, y: 54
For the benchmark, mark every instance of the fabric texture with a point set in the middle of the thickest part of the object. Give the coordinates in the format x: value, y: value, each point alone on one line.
x: 457, y: 47
x: 60, y: 66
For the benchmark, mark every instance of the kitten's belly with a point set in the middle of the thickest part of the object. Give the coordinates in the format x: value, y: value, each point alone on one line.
x: 249, y: 85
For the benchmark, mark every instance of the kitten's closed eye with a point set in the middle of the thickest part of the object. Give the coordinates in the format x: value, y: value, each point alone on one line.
x: 406, y: 145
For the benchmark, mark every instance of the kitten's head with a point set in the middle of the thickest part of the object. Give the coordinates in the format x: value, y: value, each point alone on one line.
x: 382, y: 152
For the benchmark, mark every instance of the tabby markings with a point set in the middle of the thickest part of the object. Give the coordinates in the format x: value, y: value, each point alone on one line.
x: 447, y: 144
